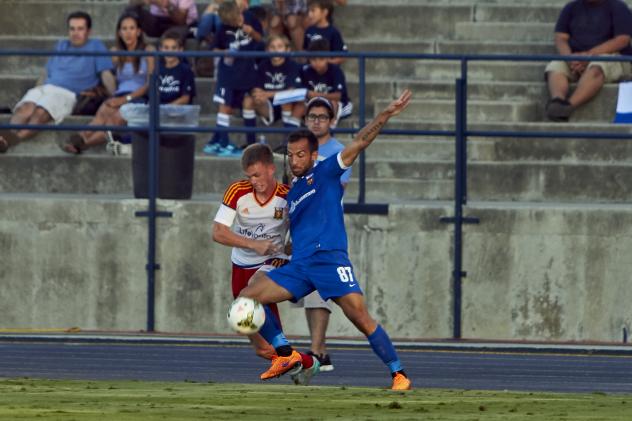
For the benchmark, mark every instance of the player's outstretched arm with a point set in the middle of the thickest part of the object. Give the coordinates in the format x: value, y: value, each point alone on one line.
x: 369, y: 132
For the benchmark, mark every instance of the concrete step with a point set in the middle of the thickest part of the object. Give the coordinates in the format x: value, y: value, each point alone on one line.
x: 510, y: 181
x: 510, y: 12
x: 505, y: 31
x: 478, y: 110
x: 498, y: 47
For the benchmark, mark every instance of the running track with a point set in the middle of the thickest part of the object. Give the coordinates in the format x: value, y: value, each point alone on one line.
x: 354, y: 366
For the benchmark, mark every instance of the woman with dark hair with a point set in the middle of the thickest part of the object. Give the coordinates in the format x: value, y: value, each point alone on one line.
x: 132, y: 78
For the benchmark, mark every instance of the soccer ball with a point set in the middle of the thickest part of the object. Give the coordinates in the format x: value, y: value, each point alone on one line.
x: 246, y: 315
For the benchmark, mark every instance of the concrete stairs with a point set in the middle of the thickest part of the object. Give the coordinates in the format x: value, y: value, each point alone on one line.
x: 502, y: 96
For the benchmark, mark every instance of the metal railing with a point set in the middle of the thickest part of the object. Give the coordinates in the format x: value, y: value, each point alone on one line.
x: 460, y: 133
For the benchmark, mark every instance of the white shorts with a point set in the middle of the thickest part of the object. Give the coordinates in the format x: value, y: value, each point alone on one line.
x: 58, y: 102
x: 313, y: 300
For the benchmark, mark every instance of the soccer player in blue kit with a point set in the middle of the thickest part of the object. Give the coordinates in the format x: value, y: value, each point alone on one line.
x: 319, y: 248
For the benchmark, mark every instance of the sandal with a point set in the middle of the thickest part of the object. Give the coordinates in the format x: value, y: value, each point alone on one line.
x: 74, y: 145
x: 8, y: 138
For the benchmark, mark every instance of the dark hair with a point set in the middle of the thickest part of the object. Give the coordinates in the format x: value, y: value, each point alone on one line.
x: 312, y: 142
x: 80, y: 15
x: 120, y: 44
x: 320, y: 101
x: 256, y: 153
x: 173, y: 35
x: 320, y: 44
x: 227, y: 10
x: 327, y: 5
x: 260, y: 12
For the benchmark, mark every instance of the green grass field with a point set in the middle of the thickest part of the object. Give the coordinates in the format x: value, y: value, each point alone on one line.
x: 29, y: 399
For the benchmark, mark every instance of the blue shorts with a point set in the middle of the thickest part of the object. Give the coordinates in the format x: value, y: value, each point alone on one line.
x: 234, y: 98
x: 328, y: 272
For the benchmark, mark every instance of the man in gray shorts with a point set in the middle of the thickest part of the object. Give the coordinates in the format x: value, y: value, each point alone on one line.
x: 587, y: 28
x: 65, y: 78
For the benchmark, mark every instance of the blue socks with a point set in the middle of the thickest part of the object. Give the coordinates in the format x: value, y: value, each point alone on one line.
x: 271, y: 330
x: 383, y: 347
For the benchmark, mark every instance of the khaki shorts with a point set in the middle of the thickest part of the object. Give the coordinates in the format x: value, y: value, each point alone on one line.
x: 313, y: 300
x: 613, y: 71
x: 58, y: 102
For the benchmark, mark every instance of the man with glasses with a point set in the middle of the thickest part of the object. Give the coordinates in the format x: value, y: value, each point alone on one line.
x: 318, y: 118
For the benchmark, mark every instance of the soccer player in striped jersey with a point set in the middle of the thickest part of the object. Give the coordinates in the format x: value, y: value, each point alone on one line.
x: 320, y: 259
x: 252, y: 219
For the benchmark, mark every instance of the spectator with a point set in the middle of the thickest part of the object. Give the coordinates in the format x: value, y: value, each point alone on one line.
x: 289, y: 16
x: 587, y: 28
x: 323, y: 79
x: 320, y: 16
x: 176, y: 15
x: 132, y: 79
x: 236, y: 77
x: 277, y: 74
x: 65, y: 77
x: 176, y: 79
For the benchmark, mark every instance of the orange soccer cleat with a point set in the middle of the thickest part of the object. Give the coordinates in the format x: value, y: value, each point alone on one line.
x: 282, y: 365
x: 401, y: 382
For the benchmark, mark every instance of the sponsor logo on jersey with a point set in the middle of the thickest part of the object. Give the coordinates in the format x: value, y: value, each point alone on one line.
x: 295, y: 203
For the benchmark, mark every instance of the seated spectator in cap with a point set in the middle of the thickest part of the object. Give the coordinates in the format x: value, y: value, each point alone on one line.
x: 236, y: 76
x: 277, y: 74
x: 66, y: 77
x: 157, y: 16
x: 320, y: 18
x: 132, y: 80
x: 587, y: 28
x: 323, y: 79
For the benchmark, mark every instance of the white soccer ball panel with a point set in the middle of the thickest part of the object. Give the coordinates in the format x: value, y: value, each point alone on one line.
x: 246, y: 315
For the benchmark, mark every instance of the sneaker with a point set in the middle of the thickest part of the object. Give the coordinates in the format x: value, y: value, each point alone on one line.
x: 304, y: 376
x: 324, y: 360
x: 211, y: 148
x: 282, y: 365
x: 558, y: 109
x: 230, y: 151
x: 401, y: 382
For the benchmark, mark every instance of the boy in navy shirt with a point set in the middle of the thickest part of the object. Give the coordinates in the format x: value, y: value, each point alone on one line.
x: 235, y: 76
x: 320, y: 17
x: 320, y: 260
x: 277, y: 74
x: 176, y: 80
x: 323, y: 79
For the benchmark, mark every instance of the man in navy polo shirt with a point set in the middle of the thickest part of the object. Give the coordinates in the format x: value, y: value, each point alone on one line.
x: 587, y: 28
x: 319, y: 247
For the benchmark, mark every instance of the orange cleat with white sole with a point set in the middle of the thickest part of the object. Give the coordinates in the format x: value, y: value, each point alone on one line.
x: 282, y: 365
x: 401, y: 382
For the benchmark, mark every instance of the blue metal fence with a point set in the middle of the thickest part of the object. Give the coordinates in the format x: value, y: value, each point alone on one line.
x: 460, y: 133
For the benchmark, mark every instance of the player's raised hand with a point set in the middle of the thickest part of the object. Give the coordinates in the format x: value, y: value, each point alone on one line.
x: 400, y: 103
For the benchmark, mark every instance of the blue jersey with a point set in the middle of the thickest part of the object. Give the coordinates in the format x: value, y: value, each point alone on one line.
x: 316, y: 214
x: 330, y: 33
x: 333, y: 80
x: 332, y: 147
x: 278, y: 78
x: 175, y: 82
x: 237, y: 73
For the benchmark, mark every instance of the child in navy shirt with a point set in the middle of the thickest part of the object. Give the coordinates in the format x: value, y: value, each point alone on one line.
x: 320, y: 17
x: 176, y: 83
x: 235, y: 76
x: 323, y: 79
x: 277, y: 74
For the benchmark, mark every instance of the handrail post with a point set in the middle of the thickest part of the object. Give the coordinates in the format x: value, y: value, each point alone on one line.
x: 362, y: 122
x: 153, y: 150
